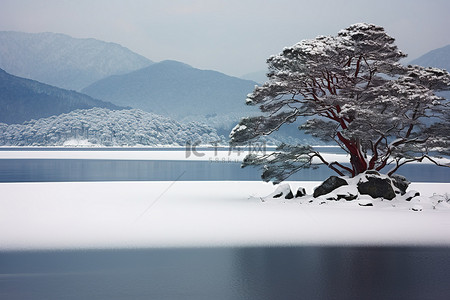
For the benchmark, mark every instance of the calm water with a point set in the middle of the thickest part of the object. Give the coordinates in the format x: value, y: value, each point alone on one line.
x: 215, y: 273
x: 228, y: 273
x: 54, y: 170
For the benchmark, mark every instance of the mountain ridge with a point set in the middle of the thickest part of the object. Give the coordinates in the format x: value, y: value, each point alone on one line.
x: 438, y: 58
x: 63, y: 61
x: 180, y: 91
x: 24, y: 99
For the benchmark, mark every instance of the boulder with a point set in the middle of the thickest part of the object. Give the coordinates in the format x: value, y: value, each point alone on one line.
x: 329, y: 185
x: 376, y: 186
x: 347, y: 196
x: 400, y: 182
x: 282, y: 190
x: 300, y: 192
x: 411, y: 194
x: 347, y: 192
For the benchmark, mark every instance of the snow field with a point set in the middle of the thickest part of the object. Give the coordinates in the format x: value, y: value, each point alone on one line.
x: 206, y: 214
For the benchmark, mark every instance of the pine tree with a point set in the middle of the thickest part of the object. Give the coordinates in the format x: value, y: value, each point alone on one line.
x: 349, y: 89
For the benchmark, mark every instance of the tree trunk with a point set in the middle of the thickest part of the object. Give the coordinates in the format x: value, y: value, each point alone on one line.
x: 358, y: 163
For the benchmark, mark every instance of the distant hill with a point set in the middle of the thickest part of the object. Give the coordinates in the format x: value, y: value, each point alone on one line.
x: 438, y: 58
x: 24, y: 99
x: 104, y: 127
x: 63, y: 61
x: 179, y: 91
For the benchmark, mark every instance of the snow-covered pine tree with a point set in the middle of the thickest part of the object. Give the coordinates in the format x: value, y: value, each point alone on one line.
x: 352, y: 90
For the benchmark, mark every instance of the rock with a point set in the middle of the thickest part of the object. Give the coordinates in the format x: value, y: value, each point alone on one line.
x: 400, y: 182
x: 282, y: 190
x: 328, y: 186
x: 365, y: 202
x: 347, y: 196
x: 300, y: 192
x: 417, y: 208
x: 376, y: 187
x: 411, y: 194
x: 289, y: 195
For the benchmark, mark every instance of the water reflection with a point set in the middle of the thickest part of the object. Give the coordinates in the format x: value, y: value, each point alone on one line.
x: 343, y: 273
x: 228, y: 273
x: 57, y: 170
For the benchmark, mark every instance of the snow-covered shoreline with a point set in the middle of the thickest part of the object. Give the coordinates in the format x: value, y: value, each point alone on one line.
x: 38, y: 216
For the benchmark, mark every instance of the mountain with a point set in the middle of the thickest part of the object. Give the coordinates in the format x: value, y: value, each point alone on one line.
x: 104, y: 127
x: 179, y: 91
x: 24, y: 99
x: 63, y: 61
x: 438, y: 58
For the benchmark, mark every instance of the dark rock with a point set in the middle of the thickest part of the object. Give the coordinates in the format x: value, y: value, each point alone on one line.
x: 282, y: 190
x: 400, y: 182
x: 416, y: 208
x: 300, y: 192
x: 412, y: 195
x: 289, y: 195
x: 347, y: 196
x: 377, y: 187
x: 328, y: 186
x: 365, y: 204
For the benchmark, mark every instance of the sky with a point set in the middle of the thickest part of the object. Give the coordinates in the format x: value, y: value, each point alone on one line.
x: 231, y: 36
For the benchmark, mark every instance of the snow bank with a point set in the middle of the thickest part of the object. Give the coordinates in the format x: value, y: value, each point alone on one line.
x: 190, y: 214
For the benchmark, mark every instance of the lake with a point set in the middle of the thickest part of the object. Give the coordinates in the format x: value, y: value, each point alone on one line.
x: 214, y: 273
x: 59, y: 170
x: 228, y: 273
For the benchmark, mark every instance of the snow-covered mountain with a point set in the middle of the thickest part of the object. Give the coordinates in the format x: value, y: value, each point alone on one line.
x: 179, y: 91
x: 104, y: 127
x: 24, y: 99
x: 63, y: 61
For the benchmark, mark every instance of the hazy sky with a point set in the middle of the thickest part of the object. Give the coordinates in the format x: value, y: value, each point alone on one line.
x: 231, y: 36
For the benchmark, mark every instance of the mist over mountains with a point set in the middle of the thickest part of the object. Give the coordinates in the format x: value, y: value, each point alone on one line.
x: 179, y: 91
x: 24, y: 99
x: 112, y: 77
x: 64, y: 61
